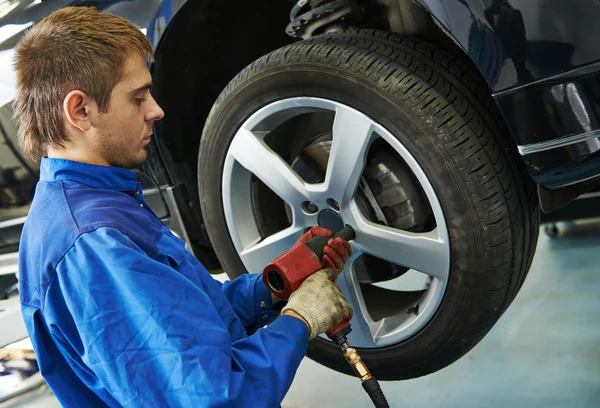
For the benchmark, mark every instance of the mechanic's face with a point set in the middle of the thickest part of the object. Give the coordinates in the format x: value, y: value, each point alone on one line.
x: 125, y: 130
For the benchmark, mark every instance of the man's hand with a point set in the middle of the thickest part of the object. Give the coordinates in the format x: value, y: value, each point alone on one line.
x: 337, y: 251
x: 319, y: 302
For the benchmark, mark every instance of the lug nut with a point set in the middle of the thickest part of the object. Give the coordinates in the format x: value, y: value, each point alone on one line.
x: 310, y: 208
x: 333, y: 204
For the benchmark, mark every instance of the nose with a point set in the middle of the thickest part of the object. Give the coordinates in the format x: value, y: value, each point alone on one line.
x: 155, y: 112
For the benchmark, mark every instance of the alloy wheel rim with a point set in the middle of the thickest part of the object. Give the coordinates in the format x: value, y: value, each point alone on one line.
x: 353, y: 133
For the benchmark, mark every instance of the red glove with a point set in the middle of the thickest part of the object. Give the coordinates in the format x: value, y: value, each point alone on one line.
x: 315, y: 232
x: 337, y: 251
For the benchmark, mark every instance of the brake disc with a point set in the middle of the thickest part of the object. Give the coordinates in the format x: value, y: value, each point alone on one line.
x: 388, y: 194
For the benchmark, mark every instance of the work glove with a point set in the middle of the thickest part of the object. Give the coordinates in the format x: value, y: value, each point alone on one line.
x: 319, y: 302
x: 335, y: 254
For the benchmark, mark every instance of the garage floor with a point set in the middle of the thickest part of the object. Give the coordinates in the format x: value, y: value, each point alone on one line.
x: 544, y: 352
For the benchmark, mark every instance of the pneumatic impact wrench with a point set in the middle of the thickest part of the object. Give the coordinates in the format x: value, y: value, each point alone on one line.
x: 286, y: 273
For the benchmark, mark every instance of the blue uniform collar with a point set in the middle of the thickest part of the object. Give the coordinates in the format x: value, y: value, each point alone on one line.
x: 104, y: 177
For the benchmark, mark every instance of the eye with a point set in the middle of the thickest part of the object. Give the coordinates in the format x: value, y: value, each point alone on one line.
x: 139, y: 101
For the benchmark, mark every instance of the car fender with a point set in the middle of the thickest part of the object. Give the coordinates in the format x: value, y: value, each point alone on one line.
x: 516, y: 42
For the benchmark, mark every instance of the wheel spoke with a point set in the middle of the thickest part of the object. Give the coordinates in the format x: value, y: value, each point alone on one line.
x: 352, y: 135
x: 423, y: 252
x: 363, y: 327
x: 256, y: 256
x: 254, y: 154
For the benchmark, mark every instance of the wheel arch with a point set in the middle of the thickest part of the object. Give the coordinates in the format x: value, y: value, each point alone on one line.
x: 230, y: 34
x: 208, y: 42
x: 465, y: 23
x: 239, y: 33
x: 205, y: 45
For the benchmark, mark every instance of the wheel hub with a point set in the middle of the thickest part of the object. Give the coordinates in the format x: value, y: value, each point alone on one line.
x: 387, y: 194
x: 331, y: 220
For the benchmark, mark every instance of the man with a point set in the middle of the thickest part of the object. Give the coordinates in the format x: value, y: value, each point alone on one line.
x: 119, y: 313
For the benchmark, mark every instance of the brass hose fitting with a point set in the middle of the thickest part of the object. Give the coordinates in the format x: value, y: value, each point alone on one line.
x: 357, y: 364
x: 369, y: 382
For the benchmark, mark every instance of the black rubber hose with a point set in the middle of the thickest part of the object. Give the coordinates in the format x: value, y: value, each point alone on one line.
x: 372, y: 388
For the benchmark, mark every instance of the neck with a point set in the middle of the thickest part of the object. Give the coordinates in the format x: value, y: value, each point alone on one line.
x: 78, y: 155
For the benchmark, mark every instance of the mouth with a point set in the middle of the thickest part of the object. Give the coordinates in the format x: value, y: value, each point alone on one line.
x: 147, y: 139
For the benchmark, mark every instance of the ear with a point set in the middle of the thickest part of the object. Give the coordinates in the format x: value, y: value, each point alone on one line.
x: 78, y: 110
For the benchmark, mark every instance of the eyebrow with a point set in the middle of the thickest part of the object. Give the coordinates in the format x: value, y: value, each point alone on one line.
x: 141, y: 88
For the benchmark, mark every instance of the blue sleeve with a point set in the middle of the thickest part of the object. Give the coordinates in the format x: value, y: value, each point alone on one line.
x: 153, y: 338
x: 250, y: 299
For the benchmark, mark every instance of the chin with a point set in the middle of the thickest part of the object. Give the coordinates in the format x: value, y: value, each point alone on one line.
x: 132, y: 163
x: 137, y: 163
x: 142, y: 158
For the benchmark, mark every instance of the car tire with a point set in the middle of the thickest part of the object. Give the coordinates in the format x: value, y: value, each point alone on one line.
x: 442, y: 112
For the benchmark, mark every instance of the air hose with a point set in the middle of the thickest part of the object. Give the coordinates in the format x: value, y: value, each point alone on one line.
x: 369, y: 382
x: 372, y: 388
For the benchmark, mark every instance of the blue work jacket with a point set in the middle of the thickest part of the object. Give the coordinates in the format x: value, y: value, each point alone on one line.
x: 120, y: 314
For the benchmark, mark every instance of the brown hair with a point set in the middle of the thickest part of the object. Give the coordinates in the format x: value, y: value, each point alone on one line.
x: 74, y: 48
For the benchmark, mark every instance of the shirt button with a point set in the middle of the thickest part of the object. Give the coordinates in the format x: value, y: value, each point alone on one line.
x: 262, y: 303
x: 264, y: 317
